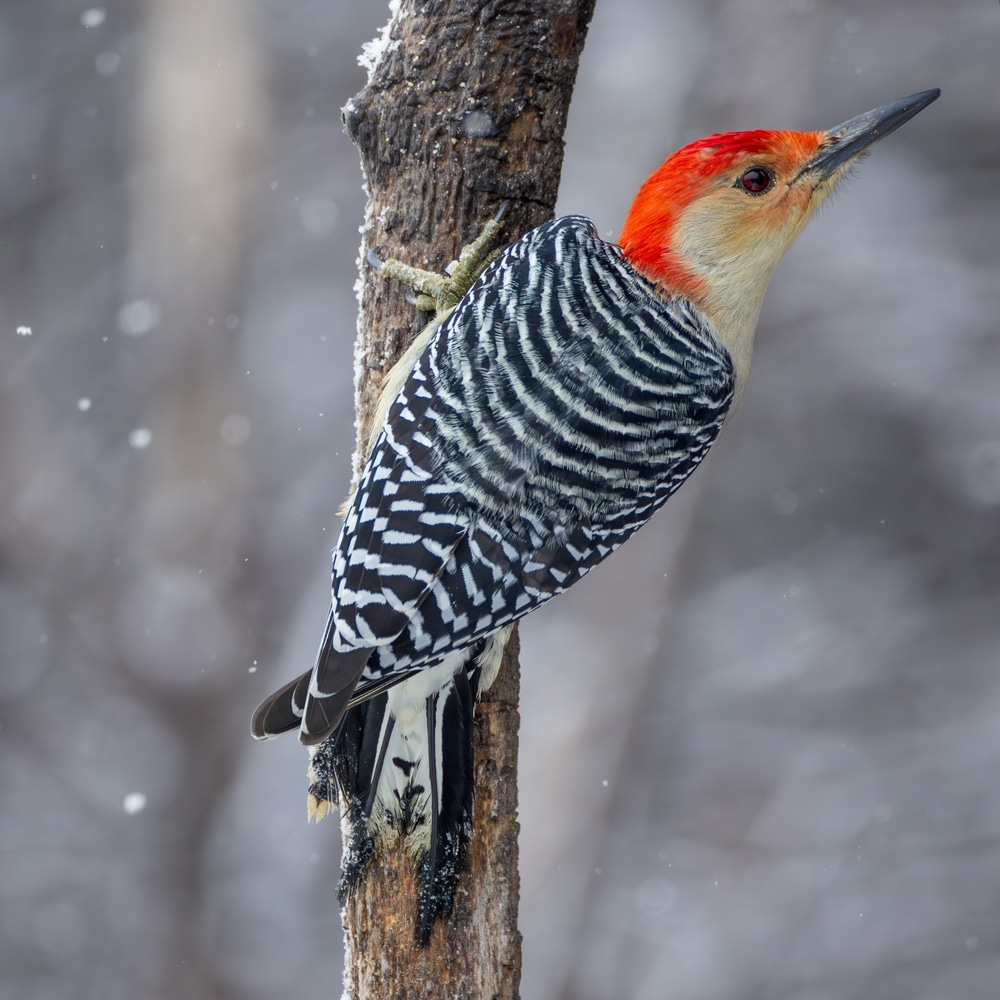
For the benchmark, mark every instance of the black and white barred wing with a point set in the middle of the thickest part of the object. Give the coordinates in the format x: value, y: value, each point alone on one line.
x: 570, y: 400
x: 399, y: 534
x: 560, y: 405
x: 392, y: 549
x: 554, y: 410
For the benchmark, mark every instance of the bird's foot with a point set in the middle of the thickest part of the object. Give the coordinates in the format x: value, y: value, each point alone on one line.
x: 439, y: 293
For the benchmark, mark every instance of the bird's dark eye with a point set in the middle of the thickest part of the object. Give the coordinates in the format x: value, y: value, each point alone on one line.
x: 756, y: 180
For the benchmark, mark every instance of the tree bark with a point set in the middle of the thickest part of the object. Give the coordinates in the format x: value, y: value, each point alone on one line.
x: 465, y: 108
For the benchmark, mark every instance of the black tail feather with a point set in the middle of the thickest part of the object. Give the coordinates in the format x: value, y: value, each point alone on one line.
x: 336, y: 676
x: 347, y: 761
x: 440, y: 867
x: 315, y: 702
x: 358, y: 756
x: 282, y: 711
x: 411, y: 779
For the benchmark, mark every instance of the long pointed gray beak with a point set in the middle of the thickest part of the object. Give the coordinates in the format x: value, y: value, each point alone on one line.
x: 856, y: 135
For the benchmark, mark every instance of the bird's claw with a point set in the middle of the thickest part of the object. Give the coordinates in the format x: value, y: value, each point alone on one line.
x: 440, y: 293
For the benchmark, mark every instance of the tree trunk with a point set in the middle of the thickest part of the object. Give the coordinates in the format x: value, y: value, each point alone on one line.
x: 464, y: 109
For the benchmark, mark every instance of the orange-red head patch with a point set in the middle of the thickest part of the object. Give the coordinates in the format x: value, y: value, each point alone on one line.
x: 688, y: 175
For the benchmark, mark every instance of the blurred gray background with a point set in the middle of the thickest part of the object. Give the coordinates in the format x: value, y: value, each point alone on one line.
x: 760, y: 746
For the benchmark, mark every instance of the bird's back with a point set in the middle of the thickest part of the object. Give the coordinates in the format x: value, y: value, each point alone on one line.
x: 560, y: 404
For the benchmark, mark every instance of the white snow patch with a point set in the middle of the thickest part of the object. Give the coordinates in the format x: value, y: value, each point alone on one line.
x: 138, y: 317
x: 93, y: 17
x: 140, y: 438
x: 360, y: 363
x: 134, y: 803
x: 24, y: 331
x: 478, y: 123
x: 373, y: 51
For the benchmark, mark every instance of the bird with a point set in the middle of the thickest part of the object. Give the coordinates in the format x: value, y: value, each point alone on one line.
x: 539, y: 421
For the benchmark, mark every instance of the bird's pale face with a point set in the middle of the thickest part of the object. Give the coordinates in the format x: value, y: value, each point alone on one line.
x: 751, y: 195
x: 712, y: 223
x: 714, y: 220
x: 746, y: 215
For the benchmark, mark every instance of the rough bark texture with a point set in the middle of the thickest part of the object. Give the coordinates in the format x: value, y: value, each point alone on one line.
x: 465, y: 109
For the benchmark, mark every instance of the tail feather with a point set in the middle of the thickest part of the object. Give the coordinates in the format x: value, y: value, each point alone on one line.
x: 334, y: 679
x: 377, y: 736
x: 281, y: 711
x: 399, y: 751
x: 315, y: 702
x: 439, y: 867
x: 351, y: 763
x: 403, y: 762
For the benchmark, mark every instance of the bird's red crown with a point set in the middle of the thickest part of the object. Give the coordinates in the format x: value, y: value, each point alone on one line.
x: 690, y: 174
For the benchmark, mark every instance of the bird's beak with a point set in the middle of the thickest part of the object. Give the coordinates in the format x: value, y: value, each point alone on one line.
x: 853, y: 137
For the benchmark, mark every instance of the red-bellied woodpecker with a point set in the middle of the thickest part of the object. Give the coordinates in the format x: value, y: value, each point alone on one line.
x: 526, y: 435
